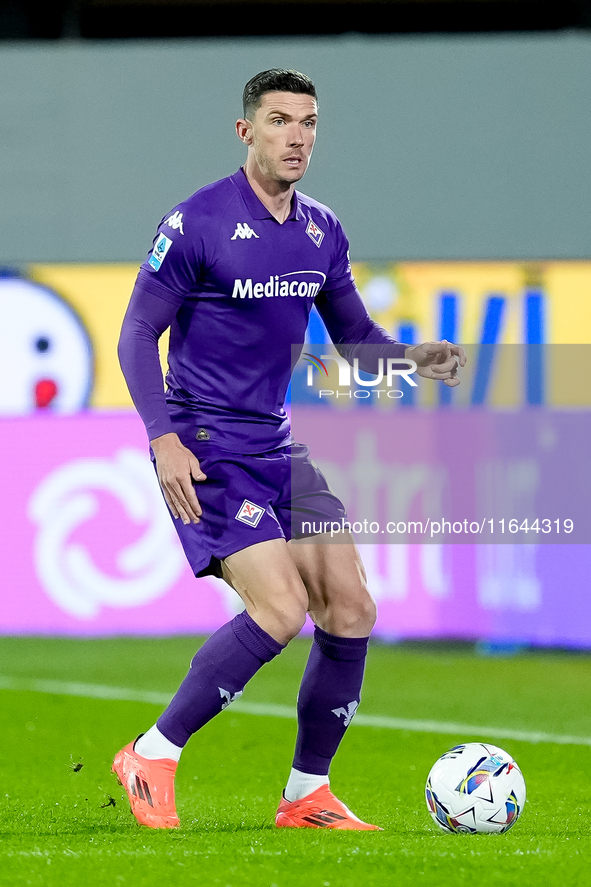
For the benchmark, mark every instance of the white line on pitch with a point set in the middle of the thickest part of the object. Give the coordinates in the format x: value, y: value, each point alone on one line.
x: 125, y: 694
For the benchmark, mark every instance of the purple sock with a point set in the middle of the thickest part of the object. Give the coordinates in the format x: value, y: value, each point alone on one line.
x: 219, y: 671
x: 329, y: 696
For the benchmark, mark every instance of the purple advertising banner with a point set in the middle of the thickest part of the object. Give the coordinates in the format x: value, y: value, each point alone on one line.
x: 454, y: 476
x: 89, y: 549
x: 417, y: 483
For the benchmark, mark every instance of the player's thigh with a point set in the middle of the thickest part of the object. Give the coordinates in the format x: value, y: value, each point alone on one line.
x: 266, y: 578
x: 335, y: 580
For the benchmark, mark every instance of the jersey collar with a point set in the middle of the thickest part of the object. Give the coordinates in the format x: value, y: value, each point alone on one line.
x: 256, y: 208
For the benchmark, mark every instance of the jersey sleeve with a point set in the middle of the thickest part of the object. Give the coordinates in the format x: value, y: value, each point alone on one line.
x: 170, y: 273
x: 174, y: 264
x: 147, y: 316
x: 354, y: 333
x: 340, y: 276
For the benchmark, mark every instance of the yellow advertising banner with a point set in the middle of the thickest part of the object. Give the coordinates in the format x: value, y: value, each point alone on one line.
x: 491, y: 303
x: 99, y: 295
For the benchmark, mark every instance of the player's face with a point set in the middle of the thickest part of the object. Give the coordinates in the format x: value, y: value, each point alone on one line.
x: 282, y: 135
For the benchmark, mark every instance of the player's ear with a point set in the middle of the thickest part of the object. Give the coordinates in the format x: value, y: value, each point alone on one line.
x: 244, y: 131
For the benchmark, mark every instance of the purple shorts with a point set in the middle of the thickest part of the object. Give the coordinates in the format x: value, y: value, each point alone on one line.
x: 248, y: 499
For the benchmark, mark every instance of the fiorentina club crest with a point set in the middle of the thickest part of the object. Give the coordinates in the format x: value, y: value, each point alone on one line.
x: 249, y: 513
x: 314, y: 233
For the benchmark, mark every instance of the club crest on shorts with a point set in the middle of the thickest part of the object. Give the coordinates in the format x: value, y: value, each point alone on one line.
x: 249, y: 513
x: 314, y: 233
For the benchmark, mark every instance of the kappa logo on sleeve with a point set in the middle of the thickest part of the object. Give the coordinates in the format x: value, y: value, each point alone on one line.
x: 249, y: 513
x: 175, y: 221
x: 161, y: 247
x: 315, y: 233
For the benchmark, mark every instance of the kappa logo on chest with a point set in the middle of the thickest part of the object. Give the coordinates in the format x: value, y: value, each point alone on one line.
x: 244, y: 232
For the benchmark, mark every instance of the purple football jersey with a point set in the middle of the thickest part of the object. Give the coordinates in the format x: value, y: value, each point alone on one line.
x: 244, y: 285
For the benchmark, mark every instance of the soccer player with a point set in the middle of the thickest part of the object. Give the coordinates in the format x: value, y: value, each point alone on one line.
x: 234, y: 271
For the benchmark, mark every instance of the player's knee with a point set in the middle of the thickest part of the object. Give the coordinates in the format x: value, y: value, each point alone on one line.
x: 294, y: 626
x: 356, y: 616
x: 367, y: 610
x: 285, y: 621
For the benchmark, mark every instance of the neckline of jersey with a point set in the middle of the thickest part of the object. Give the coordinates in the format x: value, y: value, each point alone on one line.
x: 257, y: 208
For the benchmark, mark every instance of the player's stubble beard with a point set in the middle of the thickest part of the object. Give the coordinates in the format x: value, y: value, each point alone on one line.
x: 270, y: 168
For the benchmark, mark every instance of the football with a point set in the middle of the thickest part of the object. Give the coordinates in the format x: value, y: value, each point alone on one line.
x: 475, y: 788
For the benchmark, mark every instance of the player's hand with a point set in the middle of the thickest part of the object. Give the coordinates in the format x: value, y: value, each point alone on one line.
x: 177, y: 468
x: 438, y: 360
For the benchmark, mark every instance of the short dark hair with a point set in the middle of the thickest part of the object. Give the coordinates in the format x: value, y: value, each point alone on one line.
x: 274, y: 80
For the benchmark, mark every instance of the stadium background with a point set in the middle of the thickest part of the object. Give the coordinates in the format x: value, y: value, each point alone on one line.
x: 459, y: 167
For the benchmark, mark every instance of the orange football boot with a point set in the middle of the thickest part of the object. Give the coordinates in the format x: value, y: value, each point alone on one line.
x: 149, y: 785
x: 320, y: 810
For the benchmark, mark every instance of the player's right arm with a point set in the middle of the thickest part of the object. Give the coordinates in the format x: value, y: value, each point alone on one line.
x: 146, y: 319
x: 157, y: 296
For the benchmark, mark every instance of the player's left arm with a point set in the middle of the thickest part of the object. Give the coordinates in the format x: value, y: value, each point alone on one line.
x: 352, y: 330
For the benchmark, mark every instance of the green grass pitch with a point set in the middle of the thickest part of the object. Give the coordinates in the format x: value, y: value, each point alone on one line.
x: 59, y: 826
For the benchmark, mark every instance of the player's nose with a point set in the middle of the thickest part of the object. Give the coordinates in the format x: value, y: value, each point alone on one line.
x: 296, y: 137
